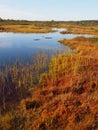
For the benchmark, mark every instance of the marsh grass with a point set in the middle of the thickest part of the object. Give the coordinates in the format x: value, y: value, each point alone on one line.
x: 68, y: 91
x: 66, y: 97
x: 67, y: 94
x: 78, y: 27
x: 16, y: 80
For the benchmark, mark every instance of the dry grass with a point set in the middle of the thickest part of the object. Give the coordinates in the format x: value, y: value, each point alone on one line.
x: 81, y: 30
x: 68, y: 93
x: 86, y: 27
x: 25, y: 29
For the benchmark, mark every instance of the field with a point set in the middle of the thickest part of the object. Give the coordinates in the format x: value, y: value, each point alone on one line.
x: 65, y: 97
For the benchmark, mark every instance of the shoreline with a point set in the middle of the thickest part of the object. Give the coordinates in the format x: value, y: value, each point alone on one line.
x: 66, y: 97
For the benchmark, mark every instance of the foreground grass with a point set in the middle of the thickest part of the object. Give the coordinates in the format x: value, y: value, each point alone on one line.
x: 67, y: 96
x: 68, y: 93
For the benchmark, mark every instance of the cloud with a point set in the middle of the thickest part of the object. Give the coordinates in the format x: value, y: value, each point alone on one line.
x: 9, y: 13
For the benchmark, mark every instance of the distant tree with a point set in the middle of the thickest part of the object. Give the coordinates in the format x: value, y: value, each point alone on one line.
x: 52, y: 21
x: 1, y: 19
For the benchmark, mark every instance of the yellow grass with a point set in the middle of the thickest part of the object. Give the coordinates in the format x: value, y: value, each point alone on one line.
x: 25, y: 29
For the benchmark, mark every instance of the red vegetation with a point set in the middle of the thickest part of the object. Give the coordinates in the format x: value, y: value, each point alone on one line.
x: 67, y: 98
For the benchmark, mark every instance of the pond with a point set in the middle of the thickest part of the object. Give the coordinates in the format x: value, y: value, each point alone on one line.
x: 24, y: 46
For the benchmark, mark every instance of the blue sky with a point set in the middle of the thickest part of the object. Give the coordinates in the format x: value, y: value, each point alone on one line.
x: 49, y: 9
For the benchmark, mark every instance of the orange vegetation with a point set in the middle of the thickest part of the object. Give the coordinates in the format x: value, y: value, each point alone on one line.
x: 67, y: 98
x: 81, y: 29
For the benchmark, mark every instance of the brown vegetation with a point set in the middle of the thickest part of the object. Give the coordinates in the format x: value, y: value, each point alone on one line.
x: 77, y: 29
x: 68, y: 94
x: 24, y: 29
x: 66, y: 97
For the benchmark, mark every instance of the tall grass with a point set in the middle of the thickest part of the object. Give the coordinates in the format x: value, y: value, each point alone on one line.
x: 15, y: 80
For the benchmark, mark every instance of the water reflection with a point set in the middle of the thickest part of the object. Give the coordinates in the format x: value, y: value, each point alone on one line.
x: 18, y: 46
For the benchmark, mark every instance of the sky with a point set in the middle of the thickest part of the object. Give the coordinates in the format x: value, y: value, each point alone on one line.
x: 60, y: 10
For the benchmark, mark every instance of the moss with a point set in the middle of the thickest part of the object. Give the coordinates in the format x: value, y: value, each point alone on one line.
x: 32, y: 105
x: 42, y: 126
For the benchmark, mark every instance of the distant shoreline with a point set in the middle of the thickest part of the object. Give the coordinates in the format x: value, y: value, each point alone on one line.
x: 73, y: 27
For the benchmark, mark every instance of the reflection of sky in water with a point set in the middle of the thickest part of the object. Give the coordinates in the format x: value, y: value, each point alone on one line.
x: 22, y: 46
x: 5, y: 45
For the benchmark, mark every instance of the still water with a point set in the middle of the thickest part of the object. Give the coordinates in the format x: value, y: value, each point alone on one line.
x: 24, y: 46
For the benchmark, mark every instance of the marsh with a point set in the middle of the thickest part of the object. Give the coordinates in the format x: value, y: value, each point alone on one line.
x: 24, y: 46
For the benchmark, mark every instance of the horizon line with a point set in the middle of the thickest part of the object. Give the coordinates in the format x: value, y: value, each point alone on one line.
x: 52, y: 20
